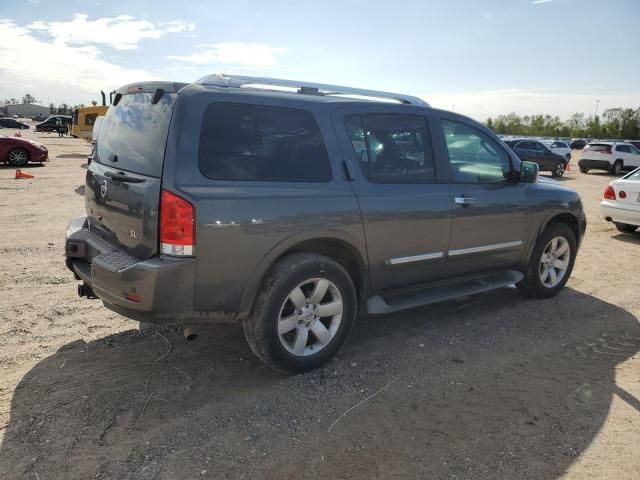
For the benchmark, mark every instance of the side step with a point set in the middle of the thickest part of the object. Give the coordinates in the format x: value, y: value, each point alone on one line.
x: 397, y: 300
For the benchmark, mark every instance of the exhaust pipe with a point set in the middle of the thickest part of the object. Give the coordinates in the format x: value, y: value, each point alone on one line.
x: 104, y: 98
x: 190, y: 333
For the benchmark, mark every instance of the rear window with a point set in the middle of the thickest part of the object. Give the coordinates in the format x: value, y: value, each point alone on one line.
x: 262, y: 143
x: 134, y: 133
x: 599, y: 147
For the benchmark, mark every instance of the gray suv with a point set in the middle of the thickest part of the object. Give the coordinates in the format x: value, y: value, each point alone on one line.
x: 292, y: 206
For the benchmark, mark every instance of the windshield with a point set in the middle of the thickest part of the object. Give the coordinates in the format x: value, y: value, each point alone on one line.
x: 134, y: 133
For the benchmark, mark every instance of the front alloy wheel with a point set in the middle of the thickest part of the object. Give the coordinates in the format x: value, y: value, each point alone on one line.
x: 554, y: 262
x: 558, y: 171
x: 18, y: 157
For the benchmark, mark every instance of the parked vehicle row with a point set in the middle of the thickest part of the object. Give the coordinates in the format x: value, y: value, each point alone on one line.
x: 290, y: 211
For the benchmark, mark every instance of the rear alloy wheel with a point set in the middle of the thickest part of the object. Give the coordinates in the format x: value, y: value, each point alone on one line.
x: 625, y: 227
x: 303, y: 313
x: 551, y: 262
x: 558, y: 170
x: 617, y: 167
x: 18, y: 157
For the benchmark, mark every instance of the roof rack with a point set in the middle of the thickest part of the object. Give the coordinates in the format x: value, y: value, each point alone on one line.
x: 308, y: 88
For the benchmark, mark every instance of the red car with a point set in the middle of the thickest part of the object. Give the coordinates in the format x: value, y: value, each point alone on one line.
x: 17, y: 152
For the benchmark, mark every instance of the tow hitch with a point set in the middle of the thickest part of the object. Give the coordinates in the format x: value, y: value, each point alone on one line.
x: 85, y: 290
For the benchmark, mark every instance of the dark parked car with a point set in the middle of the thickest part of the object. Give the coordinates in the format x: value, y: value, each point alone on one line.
x: 52, y: 124
x: 11, y: 123
x: 534, y: 151
x: 293, y: 211
x: 577, y: 143
x: 18, y: 152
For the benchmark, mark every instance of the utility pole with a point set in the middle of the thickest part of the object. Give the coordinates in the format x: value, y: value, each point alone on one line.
x: 597, y: 102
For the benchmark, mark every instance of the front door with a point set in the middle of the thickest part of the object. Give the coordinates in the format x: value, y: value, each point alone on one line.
x: 405, y: 211
x: 489, y: 225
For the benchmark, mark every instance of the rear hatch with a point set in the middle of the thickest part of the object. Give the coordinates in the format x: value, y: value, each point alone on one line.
x: 598, y: 151
x: 123, y: 182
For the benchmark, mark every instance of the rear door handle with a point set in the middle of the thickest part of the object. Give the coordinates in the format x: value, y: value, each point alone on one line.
x: 465, y: 201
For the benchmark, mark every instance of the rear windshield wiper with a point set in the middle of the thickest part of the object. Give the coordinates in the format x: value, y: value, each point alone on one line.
x: 121, y: 177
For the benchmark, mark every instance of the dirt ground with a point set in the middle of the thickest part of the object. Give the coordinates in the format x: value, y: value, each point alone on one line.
x: 491, y: 386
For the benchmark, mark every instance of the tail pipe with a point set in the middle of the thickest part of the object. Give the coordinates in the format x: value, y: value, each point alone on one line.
x: 104, y: 98
x: 190, y: 333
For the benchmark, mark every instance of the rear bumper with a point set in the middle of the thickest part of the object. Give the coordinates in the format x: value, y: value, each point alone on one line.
x: 597, y: 164
x: 162, y: 286
x: 613, y: 212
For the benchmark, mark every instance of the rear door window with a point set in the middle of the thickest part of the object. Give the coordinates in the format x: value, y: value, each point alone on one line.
x: 134, y: 132
x: 262, y: 143
x: 392, y: 148
x: 599, y: 147
x: 623, y: 149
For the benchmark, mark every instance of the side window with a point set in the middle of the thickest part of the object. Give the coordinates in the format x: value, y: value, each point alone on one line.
x: 392, y: 148
x: 526, y: 146
x: 623, y: 149
x: 474, y: 156
x: 90, y: 119
x: 262, y: 143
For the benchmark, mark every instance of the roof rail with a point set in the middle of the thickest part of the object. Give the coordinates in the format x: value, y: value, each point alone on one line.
x: 308, y: 88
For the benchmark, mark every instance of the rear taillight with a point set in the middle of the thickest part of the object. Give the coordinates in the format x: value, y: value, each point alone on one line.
x: 610, y: 193
x: 177, y: 225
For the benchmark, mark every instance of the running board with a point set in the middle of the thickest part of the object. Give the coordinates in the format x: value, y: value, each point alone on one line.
x: 402, y: 299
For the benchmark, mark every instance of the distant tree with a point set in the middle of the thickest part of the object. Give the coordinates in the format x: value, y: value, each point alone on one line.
x: 94, y: 103
x: 28, y: 99
x: 13, y: 101
x: 489, y: 123
x: 52, y: 108
x: 63, y: 109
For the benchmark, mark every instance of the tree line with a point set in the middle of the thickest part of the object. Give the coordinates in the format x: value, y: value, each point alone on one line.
x: 622, y: 123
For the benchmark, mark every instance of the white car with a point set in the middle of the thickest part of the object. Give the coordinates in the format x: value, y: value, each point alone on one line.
x: 559, y: 147
x: 613, y: 157
x: 621, y: 204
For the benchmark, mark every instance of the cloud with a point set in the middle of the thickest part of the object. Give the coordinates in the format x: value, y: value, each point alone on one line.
x: 122, y: 33
x: 61, y: 71
x: 486, y: 15
x: 536, y: 2
x: 233, y: 53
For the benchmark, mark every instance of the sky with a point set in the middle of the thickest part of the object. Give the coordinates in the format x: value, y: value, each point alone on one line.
x: 481, y: 58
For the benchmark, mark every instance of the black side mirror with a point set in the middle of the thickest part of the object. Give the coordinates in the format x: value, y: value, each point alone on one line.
x: 529, y: 172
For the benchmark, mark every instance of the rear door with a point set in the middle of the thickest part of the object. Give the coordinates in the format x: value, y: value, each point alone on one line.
x: 123, y: 182
x: 634, y: 157
x: 489, y: 224
x: 405, y: 209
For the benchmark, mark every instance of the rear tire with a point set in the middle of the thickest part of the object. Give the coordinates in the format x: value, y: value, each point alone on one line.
x: 617, y: 167
x: 290, y: 329
x: 18, y: 157
x: 583, y: 169
x: 625, y: 227
x: 551, y: 262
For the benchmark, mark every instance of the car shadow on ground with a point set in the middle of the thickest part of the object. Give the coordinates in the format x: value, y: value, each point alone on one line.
x: 72, y: 155
x: 6, y: 166
x: 633, y: 238
x: 490, y: 386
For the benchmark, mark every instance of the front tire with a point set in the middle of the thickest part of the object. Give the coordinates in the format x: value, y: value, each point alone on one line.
x: 558, y: 170
x: 625, y: 227
x: 18, y: 157
x: 303, y: 313
x: 551, y: 262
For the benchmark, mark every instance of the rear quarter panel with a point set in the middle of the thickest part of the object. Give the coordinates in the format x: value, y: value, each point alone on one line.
x: 243, y: 227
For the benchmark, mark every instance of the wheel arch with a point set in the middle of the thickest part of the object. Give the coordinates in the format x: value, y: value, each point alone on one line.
x: 338, y: 246
x: 567, y: 218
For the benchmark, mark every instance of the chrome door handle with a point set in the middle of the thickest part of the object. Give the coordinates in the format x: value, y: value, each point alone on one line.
x: 464, y: 201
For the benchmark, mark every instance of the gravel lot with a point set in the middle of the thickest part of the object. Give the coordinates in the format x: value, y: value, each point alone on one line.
x: 491, y: 386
